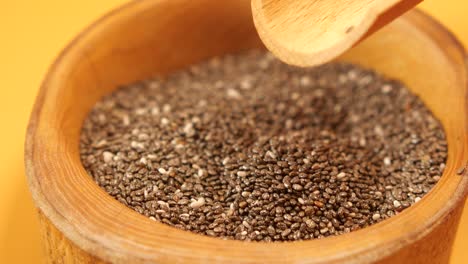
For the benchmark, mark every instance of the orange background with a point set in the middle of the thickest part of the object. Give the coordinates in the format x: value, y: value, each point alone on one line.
x: 32, y: 33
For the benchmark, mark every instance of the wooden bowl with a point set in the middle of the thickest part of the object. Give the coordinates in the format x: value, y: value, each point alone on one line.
x: 82, y: 223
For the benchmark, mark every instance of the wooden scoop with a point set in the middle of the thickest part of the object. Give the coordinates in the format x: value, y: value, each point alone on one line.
x: 312, y: 32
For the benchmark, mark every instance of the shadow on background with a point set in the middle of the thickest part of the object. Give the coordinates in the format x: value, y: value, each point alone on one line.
x: 22, y: 239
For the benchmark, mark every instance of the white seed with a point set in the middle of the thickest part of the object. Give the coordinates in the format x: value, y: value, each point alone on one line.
x: 341, y: 175
x: 140, y: 111
x: 164, y: 121
x: 152, y: 156
x: 241, y: 173
x: 306, y: 161
x: 245, y: 194
x: 195, y: 204
x: 396, y: 203
x: 188, y: 130
x: 304, y: 81
x: 319, y: 93
x: 126, y: 120
x: 386, y: 88
x: 285, y: 232
x: 230, y: 211
x: 246, y: 84
x: 163, y: 205
x: 342, y: 78
x: 226, y: 160
x: 196, y: 120
x: 184, y: 217
x: 137, y: 145
x: 152, y: 218
x: 162, y: 171
x: 270, y: 154
x: 297, y: 187
x: 155, y: 111
x: 310, y: 223
x: 143, y: 137
x: 143, y: 160
x: 378, y: 131
x: 362, y: 142
x: 101, y: 143
x: 352, y: 75
x: 376, y: 217
x: 233, y: 93
x: 365, y: 80
x: 166, y: 108
x: 102, y: 118
x: 107, y: 156
x: 201, y: 172
x: 202, y: 103
x: 387, y: 161
x: 417, y: 199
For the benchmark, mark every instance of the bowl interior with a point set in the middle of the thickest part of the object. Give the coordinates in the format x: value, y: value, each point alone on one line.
x: 146, y: 38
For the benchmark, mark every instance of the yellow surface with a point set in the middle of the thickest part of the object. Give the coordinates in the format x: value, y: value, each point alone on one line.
x: 32, y: 33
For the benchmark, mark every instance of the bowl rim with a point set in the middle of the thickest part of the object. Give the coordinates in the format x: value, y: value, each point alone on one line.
x: 117, y: 252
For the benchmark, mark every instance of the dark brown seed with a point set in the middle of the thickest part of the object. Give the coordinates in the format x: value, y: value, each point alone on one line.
x: 245, y: 147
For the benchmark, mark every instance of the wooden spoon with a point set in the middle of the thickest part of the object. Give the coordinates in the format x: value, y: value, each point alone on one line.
x: 312, y: 32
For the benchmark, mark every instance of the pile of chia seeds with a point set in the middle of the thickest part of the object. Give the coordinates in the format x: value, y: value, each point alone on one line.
x: 245, y: 147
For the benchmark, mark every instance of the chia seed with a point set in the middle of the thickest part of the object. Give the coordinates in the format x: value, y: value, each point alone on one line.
x: 245, y: 147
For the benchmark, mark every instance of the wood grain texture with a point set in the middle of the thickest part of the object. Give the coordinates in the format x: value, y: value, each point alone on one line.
x: 82, y: 223
x: 59, y: 249
x: 311, y: 32
x: 434, y: 245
